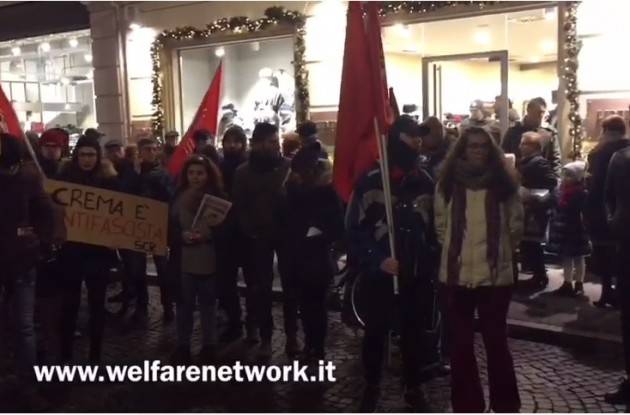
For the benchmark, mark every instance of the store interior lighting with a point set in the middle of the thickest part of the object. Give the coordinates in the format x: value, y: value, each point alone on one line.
x: 73, y: 42
x: 219, y: 52
x: 44, y: 47
x: 88, y: 57
x: 134, y: 26
x: 65, y: 81
x: 482, y: 36
x: 16, y: 51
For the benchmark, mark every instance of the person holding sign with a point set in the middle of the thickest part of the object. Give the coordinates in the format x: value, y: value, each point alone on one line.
x: 193, y: 255
x: 82, y: 261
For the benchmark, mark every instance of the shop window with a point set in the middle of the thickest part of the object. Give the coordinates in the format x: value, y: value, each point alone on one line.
x: 258, y: 82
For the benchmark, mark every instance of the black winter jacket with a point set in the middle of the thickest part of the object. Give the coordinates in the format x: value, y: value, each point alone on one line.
x: 551, y: 146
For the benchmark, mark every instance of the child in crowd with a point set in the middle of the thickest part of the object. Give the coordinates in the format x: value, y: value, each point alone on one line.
x: 567, y: 232
x: 193, y: 257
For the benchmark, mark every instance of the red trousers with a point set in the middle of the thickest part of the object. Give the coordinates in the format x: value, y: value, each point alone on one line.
x: 492, y: 305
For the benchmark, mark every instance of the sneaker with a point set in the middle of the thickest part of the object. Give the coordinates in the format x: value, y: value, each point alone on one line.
x: 579, y: 288
x: 621, y: 395
x: 369, y: 400
x: 565, y: 290
x: 415, y: 399
x: 292, y: 347
x: 264, y: 350
x: 231, y: 334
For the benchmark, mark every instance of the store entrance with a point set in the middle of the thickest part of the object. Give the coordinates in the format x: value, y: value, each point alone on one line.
x: 452, y: 83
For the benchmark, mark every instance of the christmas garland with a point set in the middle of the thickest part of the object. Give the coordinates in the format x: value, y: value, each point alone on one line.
x: 423, y: 7
x: 572, y: 47
x: 274, y: 16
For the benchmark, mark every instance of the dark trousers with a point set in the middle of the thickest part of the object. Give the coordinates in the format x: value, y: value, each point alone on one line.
x: 410, y: 310
x: 606, y: 263
x: 259, y: 274
x: 624, y: 301
x: 229, y: 261
x: 492, y: 305
x: 532, y: 255
x: 96, y: 279
x: 138, y: 265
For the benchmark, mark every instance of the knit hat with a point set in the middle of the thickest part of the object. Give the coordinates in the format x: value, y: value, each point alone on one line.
x: 85, y: 141
x: 54, y: 137
x: 575, y: 169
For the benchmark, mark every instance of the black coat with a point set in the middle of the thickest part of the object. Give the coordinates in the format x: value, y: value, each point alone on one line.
x: 618, y: 194
x: 551, y: 146
x: 567, y: 233
x: 597, y: 170
x: 536, y: 173
x: 315, y: 209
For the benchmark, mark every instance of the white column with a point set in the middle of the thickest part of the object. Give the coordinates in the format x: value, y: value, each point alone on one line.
x: 108, y: 31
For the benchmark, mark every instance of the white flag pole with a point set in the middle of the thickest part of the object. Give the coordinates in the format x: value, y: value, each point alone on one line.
x: 387, y: 194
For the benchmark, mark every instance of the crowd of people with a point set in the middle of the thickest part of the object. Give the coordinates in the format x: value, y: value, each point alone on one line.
x: 467, y: 220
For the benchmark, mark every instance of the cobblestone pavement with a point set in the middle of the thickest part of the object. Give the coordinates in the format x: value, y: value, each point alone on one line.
x: 550, y: 378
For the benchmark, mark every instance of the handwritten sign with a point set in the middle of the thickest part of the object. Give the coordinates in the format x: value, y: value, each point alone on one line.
x: 112, y: 219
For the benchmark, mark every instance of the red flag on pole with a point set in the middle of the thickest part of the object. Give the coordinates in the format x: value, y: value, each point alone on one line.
x: 356, y: 147
x: 207, y: 118
x: 8, y: 119
x: 377, y: 62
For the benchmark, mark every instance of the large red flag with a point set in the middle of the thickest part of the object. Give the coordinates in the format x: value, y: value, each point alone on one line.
x: 355, y: 145
x: 377, y: 61
x: 207, y: 117
x: 8, y: 119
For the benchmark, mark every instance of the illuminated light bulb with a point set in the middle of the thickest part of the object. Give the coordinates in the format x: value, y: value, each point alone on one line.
x: 88, y: 57
x: 45, y: 47
x: 16, y: 51
x: 219, y: 52
x: 73, y: 42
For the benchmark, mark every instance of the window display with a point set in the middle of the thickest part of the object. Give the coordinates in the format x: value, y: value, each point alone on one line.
x: 258, y: 83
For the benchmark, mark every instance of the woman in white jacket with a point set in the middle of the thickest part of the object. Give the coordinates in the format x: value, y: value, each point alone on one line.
x: 479, y: 222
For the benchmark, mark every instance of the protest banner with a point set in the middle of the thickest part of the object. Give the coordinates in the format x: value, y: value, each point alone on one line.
x: 111, y: 219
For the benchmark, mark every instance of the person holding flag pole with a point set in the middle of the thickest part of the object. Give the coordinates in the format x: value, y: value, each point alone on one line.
x: 389, y: 211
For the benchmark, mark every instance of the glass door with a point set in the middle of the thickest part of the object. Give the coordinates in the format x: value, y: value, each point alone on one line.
x: 451, y: 84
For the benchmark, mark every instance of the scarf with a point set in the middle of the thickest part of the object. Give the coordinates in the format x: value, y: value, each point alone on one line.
x: 469, y: 177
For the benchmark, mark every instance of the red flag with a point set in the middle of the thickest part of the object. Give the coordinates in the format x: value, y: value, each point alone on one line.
x: 377, y: 62
x: 356, y: 149
x: 8, y: 119
x: 207, y: 117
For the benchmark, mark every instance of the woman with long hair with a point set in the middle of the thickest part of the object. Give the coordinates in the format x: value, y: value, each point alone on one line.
x: 479, y: 222
x: 193, y: 256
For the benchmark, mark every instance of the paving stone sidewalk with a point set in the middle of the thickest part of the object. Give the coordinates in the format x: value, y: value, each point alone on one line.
x: 550, y: 378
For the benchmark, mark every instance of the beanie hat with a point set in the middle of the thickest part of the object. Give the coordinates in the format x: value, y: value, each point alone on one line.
x: 10, y: 150
x: 575, y: 169
x: 54, y: 137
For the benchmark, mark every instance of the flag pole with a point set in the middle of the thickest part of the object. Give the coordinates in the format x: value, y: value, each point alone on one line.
x: 29, y: 147
x: 387, y: 194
